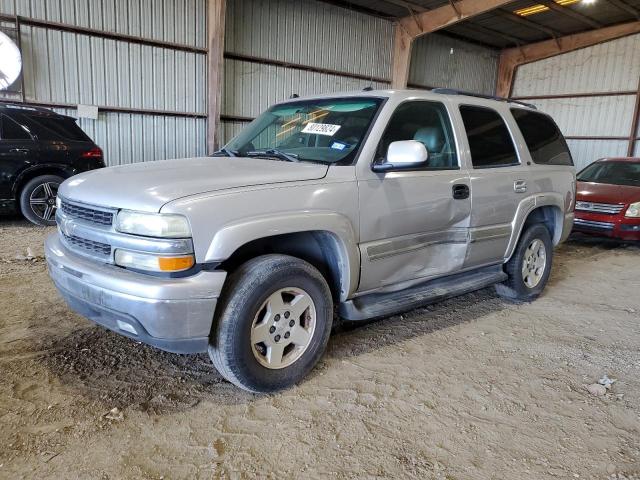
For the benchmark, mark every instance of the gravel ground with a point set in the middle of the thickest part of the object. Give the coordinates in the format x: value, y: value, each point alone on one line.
x: 471, y: 388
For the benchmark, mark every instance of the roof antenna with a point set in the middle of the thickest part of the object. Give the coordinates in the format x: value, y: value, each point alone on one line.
x: 294, y: 95
x: 370, y: 86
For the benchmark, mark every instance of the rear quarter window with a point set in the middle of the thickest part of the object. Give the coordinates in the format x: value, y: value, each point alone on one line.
x: 543, y: 138
x: 50, y: 128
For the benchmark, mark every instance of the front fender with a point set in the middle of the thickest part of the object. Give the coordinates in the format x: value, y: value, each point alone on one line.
x: 234, y: 235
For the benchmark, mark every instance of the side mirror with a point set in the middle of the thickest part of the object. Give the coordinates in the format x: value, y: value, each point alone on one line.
x: 403, y: 155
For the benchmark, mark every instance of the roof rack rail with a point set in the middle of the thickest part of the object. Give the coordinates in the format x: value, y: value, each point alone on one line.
x: 453, y: 91
x: 25, y: 106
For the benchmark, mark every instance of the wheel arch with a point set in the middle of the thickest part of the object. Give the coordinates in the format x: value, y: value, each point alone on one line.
x: 26, y: 175
x: 330, y: 246
x: 545, y: 209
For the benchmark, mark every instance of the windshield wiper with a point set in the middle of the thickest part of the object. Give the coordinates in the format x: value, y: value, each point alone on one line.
x: 225, y: 152
x: 290, y: 157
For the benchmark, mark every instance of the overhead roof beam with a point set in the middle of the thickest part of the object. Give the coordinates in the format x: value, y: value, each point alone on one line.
x: 494, y: 33
x: 512, y: 58
x: 408, y: 28
x: 416, y: 7
x: 527, y: 23
x: 626, y: 7
x: 432, y: 20
x: 567, y: 12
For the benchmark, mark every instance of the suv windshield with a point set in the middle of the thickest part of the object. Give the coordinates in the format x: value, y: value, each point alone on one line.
x: 614, y: 173
x: 319, y: 130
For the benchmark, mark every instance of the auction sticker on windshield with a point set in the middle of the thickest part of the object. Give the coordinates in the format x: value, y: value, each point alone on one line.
x: 321, y: 129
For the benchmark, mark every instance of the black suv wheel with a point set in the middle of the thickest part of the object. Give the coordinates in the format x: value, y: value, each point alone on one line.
x: 38, y: 199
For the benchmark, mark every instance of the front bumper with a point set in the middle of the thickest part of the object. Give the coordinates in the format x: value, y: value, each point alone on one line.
x: 173, y: 314
x: 612, y: 226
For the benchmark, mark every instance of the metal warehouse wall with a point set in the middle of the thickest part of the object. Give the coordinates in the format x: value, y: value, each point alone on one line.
x: 269, y: 42
x: 591, y: 93
x: 443, y: 61
x: 153, y: 98
x: 275, y: 48
x: 63, y: 68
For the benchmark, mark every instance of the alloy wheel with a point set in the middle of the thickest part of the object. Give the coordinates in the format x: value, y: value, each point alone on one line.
x: 283, y: 328
x: 534, y: 263
x: 43, y: 200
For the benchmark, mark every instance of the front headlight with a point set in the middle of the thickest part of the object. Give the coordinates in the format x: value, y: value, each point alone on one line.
x: 153, y: 263
x: 153, y: 224
x: 633, y: 211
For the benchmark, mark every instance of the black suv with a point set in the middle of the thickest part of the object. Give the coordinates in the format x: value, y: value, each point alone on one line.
x: 38, y: 150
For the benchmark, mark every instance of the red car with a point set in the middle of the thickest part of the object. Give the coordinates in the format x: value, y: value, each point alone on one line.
x: 608, y: 199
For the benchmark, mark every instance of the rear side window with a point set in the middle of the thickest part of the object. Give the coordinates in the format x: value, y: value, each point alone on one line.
x: 48, y: 127
x: 543, y: 138
x: 10, y: 130
x: 489, y: 138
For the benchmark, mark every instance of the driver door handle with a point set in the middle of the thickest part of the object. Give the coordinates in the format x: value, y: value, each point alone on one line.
x: 520, y: 186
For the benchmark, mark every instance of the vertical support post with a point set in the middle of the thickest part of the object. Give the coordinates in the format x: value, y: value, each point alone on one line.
x: 216, y: 10
x: 634, y: 124
x: 506, y: 73
x: 401, y: 57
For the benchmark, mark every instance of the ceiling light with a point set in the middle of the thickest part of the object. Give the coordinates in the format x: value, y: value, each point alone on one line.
x: 538, y: 8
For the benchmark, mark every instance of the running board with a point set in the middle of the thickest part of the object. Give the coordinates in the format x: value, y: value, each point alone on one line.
x: 375, y: 305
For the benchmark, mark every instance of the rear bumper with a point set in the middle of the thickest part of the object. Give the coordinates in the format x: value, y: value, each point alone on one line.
x: 611, y: 226
x: 173, y: 314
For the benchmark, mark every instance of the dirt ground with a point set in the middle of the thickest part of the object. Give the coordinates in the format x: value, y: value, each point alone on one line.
x: 472, y: 388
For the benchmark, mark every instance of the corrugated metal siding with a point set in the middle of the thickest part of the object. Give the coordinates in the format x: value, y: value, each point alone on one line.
x: 310, y: 33
x: 65, y: 67
x: 176, y: 21
x: 129, y: 138
x: 441, y: 61
x: 229, y: 129
x: 249, y: 88
x: 613, y: 114
x: 585, y: 152
x: 301, y: 32
x: 608, y: 67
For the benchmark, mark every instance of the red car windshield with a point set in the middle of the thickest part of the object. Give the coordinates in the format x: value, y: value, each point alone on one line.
x: 613, y: 173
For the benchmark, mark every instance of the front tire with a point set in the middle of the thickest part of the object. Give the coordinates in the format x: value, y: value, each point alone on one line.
x: 38, y: 199
x: 273, y: 323
x: 529, y: 266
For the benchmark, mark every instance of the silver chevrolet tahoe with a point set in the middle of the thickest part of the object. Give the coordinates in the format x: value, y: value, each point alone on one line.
x: 374, y: 202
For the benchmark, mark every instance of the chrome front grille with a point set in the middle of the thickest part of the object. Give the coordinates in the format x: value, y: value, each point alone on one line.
x: 606, y: 208
x: 89, y: 231
x: 89, y: 247
x: 87, y: 214
x: 579, y: 222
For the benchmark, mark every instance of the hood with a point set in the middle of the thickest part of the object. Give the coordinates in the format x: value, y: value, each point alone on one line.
x: 148, y: 186
x: 606, y: 193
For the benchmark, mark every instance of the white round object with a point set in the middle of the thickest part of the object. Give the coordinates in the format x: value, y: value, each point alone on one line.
x: 10, y: 61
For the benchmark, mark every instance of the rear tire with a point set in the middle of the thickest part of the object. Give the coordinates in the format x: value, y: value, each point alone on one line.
x: 529, y: 266
x: 38, y: 199
x: 273, y: 323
